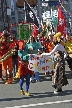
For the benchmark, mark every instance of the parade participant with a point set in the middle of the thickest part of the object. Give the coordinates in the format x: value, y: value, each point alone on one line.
x: 14, y: 45
x: 23, y: 68
x: 49, y: 45
x: 2, y: 50
x: 20, y: 44
x: 33, y: 47
x: 0, y: 63
x: 7, y: 61
x: 59, y: 70
x: 1, y: 72
x: 68, y: 47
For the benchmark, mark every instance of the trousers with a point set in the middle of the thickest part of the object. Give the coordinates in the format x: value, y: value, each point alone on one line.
x: 36, y: 76
x: 15, y: 65
x: 22, y: 81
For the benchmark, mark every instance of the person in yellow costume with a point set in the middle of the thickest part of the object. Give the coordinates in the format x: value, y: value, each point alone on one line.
x: 68, y: 47
x: 58, y: 37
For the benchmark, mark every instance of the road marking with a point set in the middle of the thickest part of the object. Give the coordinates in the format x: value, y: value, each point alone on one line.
x: 40, y: 104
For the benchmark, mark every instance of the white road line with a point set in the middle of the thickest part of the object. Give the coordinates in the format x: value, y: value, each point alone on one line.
x: 40, y: 104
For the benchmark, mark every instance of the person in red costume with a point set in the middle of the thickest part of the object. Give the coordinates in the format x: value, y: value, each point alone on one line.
x: 0, y: 65
x: 7, y: 61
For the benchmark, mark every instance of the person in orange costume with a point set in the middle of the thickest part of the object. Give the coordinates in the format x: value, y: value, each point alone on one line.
x: 49, y: 43
x: 0, y: 65
x: 7, y: 62
x: 49, y: 46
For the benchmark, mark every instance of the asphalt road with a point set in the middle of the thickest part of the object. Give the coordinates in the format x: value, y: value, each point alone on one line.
x: 42, y: 95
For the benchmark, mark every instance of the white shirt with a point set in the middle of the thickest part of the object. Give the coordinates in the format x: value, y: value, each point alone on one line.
x: 58, y: 47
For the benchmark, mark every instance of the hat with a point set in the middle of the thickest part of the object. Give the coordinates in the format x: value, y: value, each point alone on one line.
x: 58, y: 34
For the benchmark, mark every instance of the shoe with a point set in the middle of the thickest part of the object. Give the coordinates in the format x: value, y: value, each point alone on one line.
x: 7, y: 82
x: 27, y: 94
x: 22, y: 92
x: 57, y: 91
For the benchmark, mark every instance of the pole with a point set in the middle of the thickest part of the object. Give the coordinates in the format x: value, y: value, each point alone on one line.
x: 16, y: 11
x: 51, y: 12
x: 39, y: 10
x: 24, y: 11
x: 2, y: 10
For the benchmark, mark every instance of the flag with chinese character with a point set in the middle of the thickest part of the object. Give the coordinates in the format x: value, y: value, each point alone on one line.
x: 61, y: 26
x: 24, y: 31
x: 30, y: 16
x: 35, y: 31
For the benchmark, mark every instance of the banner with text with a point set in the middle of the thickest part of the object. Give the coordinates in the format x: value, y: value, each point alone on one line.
x: 24, y: 31
x: 41, y: 64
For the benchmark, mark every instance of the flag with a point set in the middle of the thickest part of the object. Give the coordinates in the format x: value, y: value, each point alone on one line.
x: 60, y: 1
x: 30, y: 14
x: 24, y: 31
x: 61, y: 26
x: 35, y: 31
x: 54, y: 20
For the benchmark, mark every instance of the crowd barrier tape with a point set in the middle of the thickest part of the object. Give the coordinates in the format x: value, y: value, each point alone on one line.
x: 38, y: 63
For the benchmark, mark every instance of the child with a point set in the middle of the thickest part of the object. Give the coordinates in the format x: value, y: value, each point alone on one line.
x: 23, y: 70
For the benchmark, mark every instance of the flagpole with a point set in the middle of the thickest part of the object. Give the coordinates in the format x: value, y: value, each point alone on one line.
x: 24, y: 12
x: 39, y: 10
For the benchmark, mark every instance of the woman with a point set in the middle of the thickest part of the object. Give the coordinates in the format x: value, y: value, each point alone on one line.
x: 58, y: 78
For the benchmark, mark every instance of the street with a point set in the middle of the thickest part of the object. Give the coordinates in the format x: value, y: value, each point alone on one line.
x: 41, y: 94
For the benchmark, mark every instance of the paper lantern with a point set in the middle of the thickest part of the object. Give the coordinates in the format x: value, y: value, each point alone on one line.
x: 20, y: 3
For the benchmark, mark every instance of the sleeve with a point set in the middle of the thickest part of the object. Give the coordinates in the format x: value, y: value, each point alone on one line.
x: 39, y: 46
x: 25, y: 57
x: 65, y: 53
x: 20, y: 54
x: 54, y: 50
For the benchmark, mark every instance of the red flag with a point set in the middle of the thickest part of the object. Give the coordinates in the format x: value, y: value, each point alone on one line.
x: 60, y: 1
x: 35, y: 31
x: 61, y: 26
